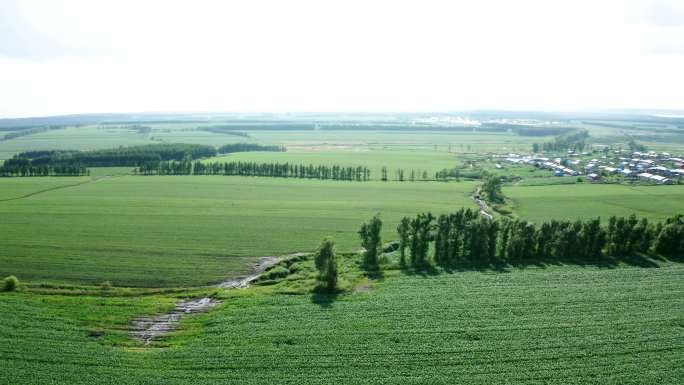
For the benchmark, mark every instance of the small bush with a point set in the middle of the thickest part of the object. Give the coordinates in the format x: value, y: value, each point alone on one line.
x: 10, y: 283
x: 295, y: 267
x: 275, y: 273
x: 502, y: 209
x: 106, y: 285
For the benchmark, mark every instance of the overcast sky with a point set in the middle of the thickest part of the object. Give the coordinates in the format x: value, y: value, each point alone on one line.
x: 62, y: 57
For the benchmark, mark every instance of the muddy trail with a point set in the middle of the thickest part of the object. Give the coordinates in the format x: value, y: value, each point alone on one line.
x: 92, y: 180
x: 150, y: 328
x: 482, y: 204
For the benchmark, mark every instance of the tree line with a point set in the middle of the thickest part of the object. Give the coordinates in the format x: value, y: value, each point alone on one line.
x: 401, y: 175
x: 30, y: 131
x: 464, y: 237
x: 281, y: 170
x: 572, y: 141
x: 115, y: 157
x: 26, y: 169
x: 246, y: 147
x: 162, y: 158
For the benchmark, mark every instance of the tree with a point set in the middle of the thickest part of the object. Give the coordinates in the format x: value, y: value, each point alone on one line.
x: 492, y: 188
x: 420, y: 228
x: 535, y: 148
x: 634, y: 146
x: 326, y: 263
x: 670, y: 239
x: 403, y: 230
x: 384, y: 174
x: 370, y: 240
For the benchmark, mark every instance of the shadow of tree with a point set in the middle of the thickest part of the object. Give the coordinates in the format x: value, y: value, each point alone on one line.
x: 324, y: 300
x: 375, y: 273
x: 422, y: 270
x: 498, y: 265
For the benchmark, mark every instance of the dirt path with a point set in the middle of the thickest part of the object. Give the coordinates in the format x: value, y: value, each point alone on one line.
x: 482, y: 204
x: 150, y: 328
x: 93, y: 180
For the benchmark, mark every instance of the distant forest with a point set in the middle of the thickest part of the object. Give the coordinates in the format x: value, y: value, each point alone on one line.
x: 571, y: 141
x: 45, y: 163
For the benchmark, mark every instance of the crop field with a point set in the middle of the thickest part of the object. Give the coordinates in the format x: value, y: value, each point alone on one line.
x: 560, y: 324
x: 109, y: 136
x: 474, y: 300
x: 378, y: 140
x: 178, y: 231
x: 73, y: 138
x: 538, y: 203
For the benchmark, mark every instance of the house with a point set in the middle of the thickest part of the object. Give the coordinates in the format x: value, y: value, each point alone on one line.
x: 658, y: 179
x: 628, y: 173
x: 677, y: 172
x: 660, y: 170
x: 593, y: 177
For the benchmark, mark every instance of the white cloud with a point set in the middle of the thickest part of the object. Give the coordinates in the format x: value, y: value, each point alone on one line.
x: 85, y: 56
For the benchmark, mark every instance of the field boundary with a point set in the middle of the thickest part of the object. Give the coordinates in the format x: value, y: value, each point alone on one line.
x: 93, y: 180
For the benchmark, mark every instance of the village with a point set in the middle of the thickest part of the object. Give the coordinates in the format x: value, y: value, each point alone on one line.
x: 607, y: 166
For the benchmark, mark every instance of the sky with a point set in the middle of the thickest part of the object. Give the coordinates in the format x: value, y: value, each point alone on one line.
x: 84, y: 56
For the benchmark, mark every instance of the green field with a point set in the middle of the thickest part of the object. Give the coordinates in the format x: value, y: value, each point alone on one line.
x: 94, y: 253
x: 539, y: 203
x: 108, y: 136
x: 178, y: 231
x: 184, y: 231
x: 571, y: 325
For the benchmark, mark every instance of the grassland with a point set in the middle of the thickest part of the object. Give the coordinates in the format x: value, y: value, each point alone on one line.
x: 178, y: 231
x: 571, y: 325
x: 539, y: 203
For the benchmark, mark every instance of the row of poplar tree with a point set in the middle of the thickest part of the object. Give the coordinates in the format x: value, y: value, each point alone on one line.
x: 282, y: 170
x: 401, y: 175
x: 42, y: 170
x: 465, y: 237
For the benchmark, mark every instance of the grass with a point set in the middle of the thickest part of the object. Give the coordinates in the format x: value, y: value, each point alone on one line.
x: 538, y: 203
x: 192, y: 230
x: 560, y: 324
